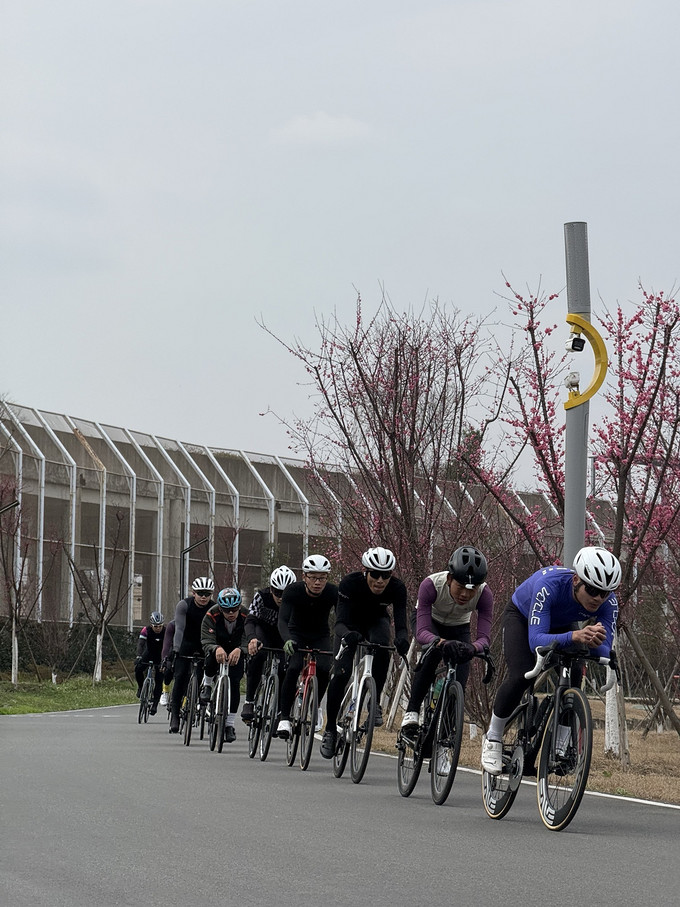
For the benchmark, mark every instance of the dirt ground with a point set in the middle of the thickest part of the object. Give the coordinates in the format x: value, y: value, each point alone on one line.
x: 655, y: 763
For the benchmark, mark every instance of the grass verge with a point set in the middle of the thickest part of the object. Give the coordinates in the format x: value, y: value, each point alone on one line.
x: 76, y: 693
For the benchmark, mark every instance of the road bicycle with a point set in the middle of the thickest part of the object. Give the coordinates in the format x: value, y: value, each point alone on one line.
x: 356, y: 717
x: 192, y: 711
x: 146, y: 694
x: 558, y: 729
x: 218, y: 708
x: 266, y: 706
x: 303, y: 716
x: 440, y: 732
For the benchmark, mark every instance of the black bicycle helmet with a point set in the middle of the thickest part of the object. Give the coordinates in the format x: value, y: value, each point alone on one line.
x: 467, y: 565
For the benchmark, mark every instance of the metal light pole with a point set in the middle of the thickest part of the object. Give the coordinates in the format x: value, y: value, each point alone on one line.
x: 577, y: 405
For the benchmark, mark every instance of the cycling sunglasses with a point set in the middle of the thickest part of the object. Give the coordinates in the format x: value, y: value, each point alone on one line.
x: 593, y: 592
x: 198, y: 594
x: 380, y: 574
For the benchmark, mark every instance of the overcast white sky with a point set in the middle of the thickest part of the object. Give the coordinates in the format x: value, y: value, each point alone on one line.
x: 172, y: 169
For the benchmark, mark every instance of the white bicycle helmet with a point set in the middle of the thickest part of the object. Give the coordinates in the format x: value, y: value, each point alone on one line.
x: 203, y: 584
x: 316, y: 563
x: 281, y: 577
x: 379, y: 559
x: 598, y: 567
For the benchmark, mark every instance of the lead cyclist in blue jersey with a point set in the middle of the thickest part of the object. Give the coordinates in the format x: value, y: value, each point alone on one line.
x: 542, y: 611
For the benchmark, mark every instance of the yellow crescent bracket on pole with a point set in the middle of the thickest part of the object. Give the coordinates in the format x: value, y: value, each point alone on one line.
x: 581, y: 326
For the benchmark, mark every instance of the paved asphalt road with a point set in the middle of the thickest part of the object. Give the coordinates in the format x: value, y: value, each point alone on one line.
x: 98, y: 811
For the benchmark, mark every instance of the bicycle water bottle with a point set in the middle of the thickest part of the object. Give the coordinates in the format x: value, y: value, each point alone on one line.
x: 436, y: 690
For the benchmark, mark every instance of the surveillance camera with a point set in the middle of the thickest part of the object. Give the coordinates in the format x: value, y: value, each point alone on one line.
x: 572, y: 381
x: 575, y: 344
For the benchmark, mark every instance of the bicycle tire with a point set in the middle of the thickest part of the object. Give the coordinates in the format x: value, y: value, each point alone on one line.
x: 212, y: 720
x: 294, y: 737
x: 222, y: 711
x: 269, y: 710
x: 190, y: 715
x: 409, y: 761
x: 308, y: 716
x: 499, y: 791
x: 448, y: 736
x: 361, y: 739
x: 144, y: 702
x: 255, y: 727
x: 562, y: 778
x: 341, y: 753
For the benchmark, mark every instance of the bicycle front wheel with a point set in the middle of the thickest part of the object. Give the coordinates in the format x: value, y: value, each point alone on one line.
x: 269, y: 710
x: 409, y: 761
x: 192, y: 700
x: 448, y: 735
x: 222, y: 711
x: 144, y: 702
x: 564, y: 761
x: 499, y: 791
x: 362, y: 737
x: 255, y: 727
x: 310, y: 707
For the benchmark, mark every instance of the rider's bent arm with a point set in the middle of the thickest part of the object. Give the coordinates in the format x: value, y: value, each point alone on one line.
x: 427, y: 594
x: 284, y: 617
x: 180, y: 624
x: 484, y: 616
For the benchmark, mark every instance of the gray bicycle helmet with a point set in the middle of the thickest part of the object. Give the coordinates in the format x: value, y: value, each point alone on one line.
x: 156, y: 619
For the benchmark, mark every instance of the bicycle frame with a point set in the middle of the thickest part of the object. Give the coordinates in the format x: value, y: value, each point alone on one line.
x: 362, y: 668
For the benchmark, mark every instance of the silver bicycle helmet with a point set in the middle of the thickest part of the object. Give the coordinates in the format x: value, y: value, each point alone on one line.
x: 156, y: 619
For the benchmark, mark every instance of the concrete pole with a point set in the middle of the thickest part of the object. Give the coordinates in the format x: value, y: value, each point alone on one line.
x: 577, y: 417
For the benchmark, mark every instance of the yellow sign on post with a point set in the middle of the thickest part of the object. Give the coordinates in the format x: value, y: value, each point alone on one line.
x: 581, y: 326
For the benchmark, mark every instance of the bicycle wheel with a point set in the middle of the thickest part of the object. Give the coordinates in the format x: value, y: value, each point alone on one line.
x: 310, y: 707
x: 212, y: 719
x: 409, y: 761
x: 499, y: 791
x: 341, y: 746
x: 190, y: 715
x: 360, y: 740
x: 564, y: 763
x: 144, y: 702
x: 294, y: 736
x: 448, y: 735
x: 255, y: 727
x: 269, y: 710
x: 222, y: 711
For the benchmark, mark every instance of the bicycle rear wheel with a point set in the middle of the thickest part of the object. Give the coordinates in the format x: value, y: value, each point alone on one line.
x: 409, y: 761
x: 361, y: 739
x: 144, y: 702
x: 446, y: 745
x: 564, y: 764
x: 255, y: 727
x: 310, y: 707
x: 341, y: 747
x: 222, y: 711
x: 190, y: 716
x: 499, y: 791
x: 269, y: 710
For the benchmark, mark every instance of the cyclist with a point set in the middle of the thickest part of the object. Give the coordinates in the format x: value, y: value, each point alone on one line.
x: 550, y: 599
x: 444, y: 609
x: 262, y: 630
x: 224, y: 642
x: 166, y: 663
x: 363, y: 599
x: 303, y: 621
x: 189, y: 614
x: 150, y: 649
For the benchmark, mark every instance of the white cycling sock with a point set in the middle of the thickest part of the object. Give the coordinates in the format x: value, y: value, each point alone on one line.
x: 496, y: 727
x: 231, y: 719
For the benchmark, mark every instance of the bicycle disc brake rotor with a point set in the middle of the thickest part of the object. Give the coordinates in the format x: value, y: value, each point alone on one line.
x: 516, y: 768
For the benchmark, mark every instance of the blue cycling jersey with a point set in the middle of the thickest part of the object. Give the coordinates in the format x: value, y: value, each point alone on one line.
x: 547, y: 600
